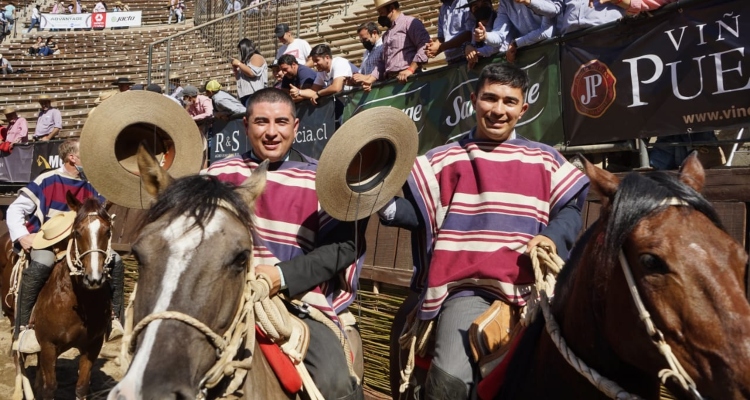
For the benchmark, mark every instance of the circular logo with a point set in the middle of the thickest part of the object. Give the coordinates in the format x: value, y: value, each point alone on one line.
x: 593, y: 89
x: 99, y: 17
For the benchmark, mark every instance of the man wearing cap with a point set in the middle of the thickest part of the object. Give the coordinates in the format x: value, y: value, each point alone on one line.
x: 403, y: 44
x: 200, y: 107
x: 306, y: 254
x: 297, y: 47
x: 225, y: 105
x: 16, y: 131
x: 42, y: 199
x: 477, y: 207
x: 333, y: 73
x: 123, y: 84
x: 49, y: 120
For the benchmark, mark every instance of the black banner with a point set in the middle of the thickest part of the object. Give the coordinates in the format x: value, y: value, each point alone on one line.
x: 682, y: 71
x: 229, y: 139
x: 14, y: 166
x: 46, y: 156
x: 316, y: 125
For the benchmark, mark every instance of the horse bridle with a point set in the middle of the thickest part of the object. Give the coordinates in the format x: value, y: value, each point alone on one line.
x: 74, y: 256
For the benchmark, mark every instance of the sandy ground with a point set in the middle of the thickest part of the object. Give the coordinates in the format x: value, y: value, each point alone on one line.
x: 104, y: 376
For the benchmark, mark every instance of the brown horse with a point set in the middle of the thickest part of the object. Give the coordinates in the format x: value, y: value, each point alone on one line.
x: 194, y: 250
x: 689, y: 274
x: 74, y: 309
x: 8, y: 259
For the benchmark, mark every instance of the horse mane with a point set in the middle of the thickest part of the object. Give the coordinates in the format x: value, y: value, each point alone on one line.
x: 198, y: 196
x: 90, y: 204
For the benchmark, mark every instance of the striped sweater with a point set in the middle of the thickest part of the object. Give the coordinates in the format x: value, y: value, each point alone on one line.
x: 481, y: 202
x: 289, y: 223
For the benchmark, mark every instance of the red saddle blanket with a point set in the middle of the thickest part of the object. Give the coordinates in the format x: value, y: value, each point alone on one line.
x: 280, y: 363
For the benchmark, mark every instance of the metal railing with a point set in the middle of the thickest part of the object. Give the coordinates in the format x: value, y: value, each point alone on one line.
x: 194, y: 52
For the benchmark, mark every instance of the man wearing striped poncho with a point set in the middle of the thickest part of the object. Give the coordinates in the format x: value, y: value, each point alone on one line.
x: 307, y: 254
x: 476, y: 206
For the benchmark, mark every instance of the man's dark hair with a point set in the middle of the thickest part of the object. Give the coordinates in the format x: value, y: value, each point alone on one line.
x: 321, y: 50
x: 505, y: 74
x: 271, y: 95
x: 287, y: 59
x: 395, y: 5
x: 371, y: 27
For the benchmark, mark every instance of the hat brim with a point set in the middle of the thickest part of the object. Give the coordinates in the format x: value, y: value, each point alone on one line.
x: 384, y: 141
x: 385, y: 3
x: 64, y: 220
x: 122, y: 83
x: 110, y: 138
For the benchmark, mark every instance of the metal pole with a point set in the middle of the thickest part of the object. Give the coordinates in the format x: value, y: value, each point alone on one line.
x: 734, y: 148
x: 166, y: 64
x: 298, y: 17
x: 150, y: 62
x: 317, y: 19
x: 596, y: 148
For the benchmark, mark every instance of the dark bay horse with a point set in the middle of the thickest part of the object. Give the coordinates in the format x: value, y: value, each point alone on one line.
x: 690, y: 276
x: 194, y: 250
x: 74, y: 308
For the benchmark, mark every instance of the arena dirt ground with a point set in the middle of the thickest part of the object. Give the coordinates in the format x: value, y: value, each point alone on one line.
x: 104, y: 376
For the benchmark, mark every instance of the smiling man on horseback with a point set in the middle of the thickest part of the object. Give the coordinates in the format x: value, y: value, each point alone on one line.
x: 306, y: 254
x: 42, y: 199
x: 479, y: 205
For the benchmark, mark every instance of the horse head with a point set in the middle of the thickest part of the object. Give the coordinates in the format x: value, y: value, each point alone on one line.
x: 90, y: 249
x: 688, y: 272
x: 194, y: 251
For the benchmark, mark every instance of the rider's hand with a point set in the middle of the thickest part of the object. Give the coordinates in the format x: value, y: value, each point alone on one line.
x: 26, y: 241
x: 273, y: 274
x: 541, y: 240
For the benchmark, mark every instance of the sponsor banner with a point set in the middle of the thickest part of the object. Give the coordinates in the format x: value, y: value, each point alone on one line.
x: 229, y: 139
x: 123, y: 19
x: 46, y: 157
x: 95, y: 20
x: 14, y: 166
x: 681, y: 71
x: 316, y: 125
x: 65, y: 21
x: 440, y: 103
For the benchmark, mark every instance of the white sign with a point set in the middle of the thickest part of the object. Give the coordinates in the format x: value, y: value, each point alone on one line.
x: 84, y: 21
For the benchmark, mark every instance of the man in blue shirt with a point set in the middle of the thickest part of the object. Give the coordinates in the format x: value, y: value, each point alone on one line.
x: 300, y: 76
x: 455, y: 24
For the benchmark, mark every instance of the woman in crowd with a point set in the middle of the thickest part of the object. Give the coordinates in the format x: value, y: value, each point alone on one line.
x: 34, y: 49
x: 251, y: 70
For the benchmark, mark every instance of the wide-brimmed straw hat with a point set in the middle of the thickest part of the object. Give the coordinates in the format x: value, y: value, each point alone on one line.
x: 383, y: 141
x: 383, y: 3
x: 43, y: 97
x: 105, y: 95
x: 54, y: 230
x: 111, y: 136
x: 9, y: 110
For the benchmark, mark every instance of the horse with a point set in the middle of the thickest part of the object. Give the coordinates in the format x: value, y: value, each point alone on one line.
x: 8, y: 259
x: 74, y: 308
x: 688, y: 274
x: 194, y: 250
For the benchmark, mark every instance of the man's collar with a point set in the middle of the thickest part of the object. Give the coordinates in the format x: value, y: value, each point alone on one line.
x: 473, y: 130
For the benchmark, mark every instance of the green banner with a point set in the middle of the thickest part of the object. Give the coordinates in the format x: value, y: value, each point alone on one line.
x: 439, y: 103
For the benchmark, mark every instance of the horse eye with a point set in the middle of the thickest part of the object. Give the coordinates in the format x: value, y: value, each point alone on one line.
x: 240, y: 261
x: 653, y: 263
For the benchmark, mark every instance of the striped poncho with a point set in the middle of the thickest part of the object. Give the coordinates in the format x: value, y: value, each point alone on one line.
x: 481, y: 203
x: 48, y: 192
x: 289, y: 223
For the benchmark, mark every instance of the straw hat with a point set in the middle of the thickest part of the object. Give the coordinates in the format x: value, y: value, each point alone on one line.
x: 9, y: 110
x: 110, y: 138
x: 105, y: 95
x: 386, y: 140
x: 383, y: 3
x: 42, y: 97
x: 54, y: 230
x: 174, y: 75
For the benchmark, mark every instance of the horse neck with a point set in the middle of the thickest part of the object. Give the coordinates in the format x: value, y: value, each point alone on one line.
x: 582, y: 328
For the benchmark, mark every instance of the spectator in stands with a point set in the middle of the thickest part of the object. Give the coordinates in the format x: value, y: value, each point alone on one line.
x: 369, y: 35
x: 35, y: 19
x: 175, y: 88
x: 138, y: 86
x: 454, y: 31
x: 484, y: 15
x: 519, y: 23
x: 250, y: 70
x: 297, y: 47
x: 156, y: 88
x: 333, y: 73
x: 16, y: 130
x: 105, y: 95
x: 49, y: 48
x: 4, y: 26
x: 122, y: 7
x: 10, y: 15
x: 49, y: 120
x: 581, y: 14
x: 200, y: 107
x: 229, y: 7
x: 667, y: 154
x: 100, y: 7
x: 123, y: 84
x: 58, y: 8
x: 5, y: 67
x: 70, y: 8
x: 225, y: 105
x: 403, y: 44
x: 293, y: 74
x: 34, y: 49
x: 637, y: 6
x: 237, y: 5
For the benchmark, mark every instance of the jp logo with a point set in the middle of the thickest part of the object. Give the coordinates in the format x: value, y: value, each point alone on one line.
x: 593, y: 89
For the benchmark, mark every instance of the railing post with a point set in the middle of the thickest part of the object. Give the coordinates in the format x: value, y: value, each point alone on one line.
x: 317, y: 19
x: 298, y: 17
x: 167, y: 63
x: 150, y: 62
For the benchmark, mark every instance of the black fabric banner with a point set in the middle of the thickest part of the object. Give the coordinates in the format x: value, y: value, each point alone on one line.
x: 230, y: 139
x: 316, y: 126
x: 14, y: 166
x: 45, y: 157
x: 682, y: 71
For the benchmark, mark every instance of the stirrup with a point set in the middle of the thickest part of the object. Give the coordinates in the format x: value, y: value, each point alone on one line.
x: 26, y: 342
x: 117, y: 330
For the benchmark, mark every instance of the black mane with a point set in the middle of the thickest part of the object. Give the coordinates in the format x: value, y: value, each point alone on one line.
x: 198, y: 196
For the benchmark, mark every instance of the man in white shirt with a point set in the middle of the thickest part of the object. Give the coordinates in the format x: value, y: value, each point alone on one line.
x: 333, y: 72
x: 299, y: 48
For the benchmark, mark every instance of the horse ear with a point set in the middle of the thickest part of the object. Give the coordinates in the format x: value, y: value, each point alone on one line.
x: 153, y: 176
x: 692, y: 173
x: 603, y: 182
x: 255, y: 184
x: 72, y: 201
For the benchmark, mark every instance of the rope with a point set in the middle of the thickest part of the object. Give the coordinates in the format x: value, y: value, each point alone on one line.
x: 15, y: 279
x: 547, y: 265
x: 416, y: 339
